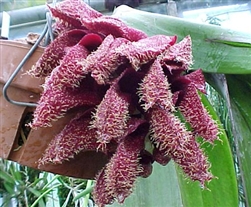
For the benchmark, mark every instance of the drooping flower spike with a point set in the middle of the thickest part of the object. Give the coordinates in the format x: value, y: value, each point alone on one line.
x: 134, y: 85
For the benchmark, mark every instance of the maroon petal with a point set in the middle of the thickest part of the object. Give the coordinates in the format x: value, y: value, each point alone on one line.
x: 160, y: 156
x: 104, y: 61
x: 102, y: 193
x: 75, y: 137
x: 144, y: 50
x: 60, y: 27
x: 72, y: 11
x: 110, y: 119
x: 197, y: 78
x: 77, y: 9
x: 91, y: 41
x: 179, y: 56
x: 108, y: 62
x: 155, y: 89
x: 64, y: 19
x: 171, y: 136
x: 146, y: 160
x: 94, y: 58
x: 69, y: 73
x: 134, y: 124
x: 55, y: 102
x: 123, y: 169
x: 109, y: 25
x: 55, y: 52
x: 197, y: 115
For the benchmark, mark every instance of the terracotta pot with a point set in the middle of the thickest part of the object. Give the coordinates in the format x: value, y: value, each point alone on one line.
x: 19, y: 144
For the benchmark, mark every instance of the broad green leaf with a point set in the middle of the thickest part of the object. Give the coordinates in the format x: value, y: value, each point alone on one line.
x: 215, y: 49
x: 239, y: 86
x: 239, y: 91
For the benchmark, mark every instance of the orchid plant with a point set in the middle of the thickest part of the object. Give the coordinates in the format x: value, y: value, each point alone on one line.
x: 138, y: 99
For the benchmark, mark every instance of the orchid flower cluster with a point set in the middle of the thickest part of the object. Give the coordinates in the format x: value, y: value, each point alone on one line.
x: 129, y: 89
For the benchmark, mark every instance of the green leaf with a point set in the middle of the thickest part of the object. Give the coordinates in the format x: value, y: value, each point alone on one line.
x: 230, y: 54
x: 239, y: 86
x: 6, y: 177
x: 239, y: 91
x: 9, y: 187
x: 231, y: 43
x: 17, y: 176
x: 43, y: 195
x: 34, y: 191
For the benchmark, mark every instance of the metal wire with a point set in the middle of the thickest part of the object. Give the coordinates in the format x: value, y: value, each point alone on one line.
x: 21, y: 64
x: 49, y: 35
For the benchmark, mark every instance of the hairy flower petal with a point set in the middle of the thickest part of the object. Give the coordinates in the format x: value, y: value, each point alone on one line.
x: 104, y: 61
x: 69, y: 73
x: 110, y: 119
x: 72, y: 11
x: 108, y: 62
x: 179, y: 56
x: 197, y: 78
x: 102, y: 194
x: 123, y: 169
x: 55, y: 52
x: 90, y: 62
x: 155, y: 89
x: 77, y: 9
x: 197, y: 115
x: 55, y: 102
x: 144, y: 50
x: 109, y: 25
x: 171, y: 136
x: 75, y: 137
x: 116, y: 180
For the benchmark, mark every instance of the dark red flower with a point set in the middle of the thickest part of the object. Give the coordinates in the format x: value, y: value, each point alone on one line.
x: 136, y: 84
